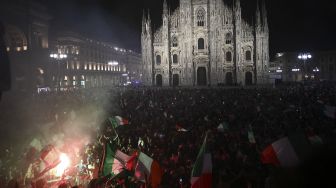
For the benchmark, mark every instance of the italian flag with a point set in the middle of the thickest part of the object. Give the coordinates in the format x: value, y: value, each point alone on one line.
x: 148, y: 170
x: 287, y: 152
x: 117, y: 121
x: 201, y: 175
x: 113, y: 162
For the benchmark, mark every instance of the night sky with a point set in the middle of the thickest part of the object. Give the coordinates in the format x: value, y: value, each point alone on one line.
x: 300, y: 25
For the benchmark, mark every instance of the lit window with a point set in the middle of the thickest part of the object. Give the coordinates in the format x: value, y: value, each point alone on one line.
x: 90, y: 67
x: 65, y: 78
x: 8, y: 49
x: 25, y: 48
x: 85, y: 67
x: 18, y: 49
x: 74, y: 78
x: 94, y: 67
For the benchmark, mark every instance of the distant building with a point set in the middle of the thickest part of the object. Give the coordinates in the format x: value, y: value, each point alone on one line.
x: 27, y: 39
x: 90, y: 63
x: 205, y: 42
x: 289, y: 68
x: 31, y: 48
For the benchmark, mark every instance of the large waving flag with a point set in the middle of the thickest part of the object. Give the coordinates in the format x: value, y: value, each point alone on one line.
x: 117, y: 121
x: 113, y: 162
x: 148, y: 169
x: 287, y: 152
x: 201, y: 175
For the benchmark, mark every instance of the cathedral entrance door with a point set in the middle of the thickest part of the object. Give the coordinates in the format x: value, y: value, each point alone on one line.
x: 176, y: 80
x: 229, y: 79
x: 159, y: 80
x: 201, y: 76
x: 248, y: 78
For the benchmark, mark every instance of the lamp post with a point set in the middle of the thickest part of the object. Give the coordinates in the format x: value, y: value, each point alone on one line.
x: 304, y: 57
x: 58, y: 57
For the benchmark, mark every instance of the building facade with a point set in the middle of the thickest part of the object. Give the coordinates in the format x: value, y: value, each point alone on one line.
x: 205, y: 42
x: 27, y: 42
x: 90, y: 63
x: 289, y: 68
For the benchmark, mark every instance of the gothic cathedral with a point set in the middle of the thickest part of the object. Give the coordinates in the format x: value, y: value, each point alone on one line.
x: 205, y: 42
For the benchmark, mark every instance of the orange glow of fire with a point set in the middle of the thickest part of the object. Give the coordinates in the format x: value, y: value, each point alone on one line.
x: 64, y: 165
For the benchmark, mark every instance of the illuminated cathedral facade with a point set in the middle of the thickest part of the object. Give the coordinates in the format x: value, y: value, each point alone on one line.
x: 205, y: 42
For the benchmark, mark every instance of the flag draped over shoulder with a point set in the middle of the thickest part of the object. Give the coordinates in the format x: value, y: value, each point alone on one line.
x: 148, y: 169
x: 201, y: 175
x: 117, y: 121
x: 287, y: 152
x: 113, y: 162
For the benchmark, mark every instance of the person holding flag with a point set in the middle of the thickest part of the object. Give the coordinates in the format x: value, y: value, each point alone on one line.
x: 201, y: 175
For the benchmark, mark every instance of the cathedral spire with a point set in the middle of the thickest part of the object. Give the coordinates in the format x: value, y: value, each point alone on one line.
x: 264, y: 15
x: 143, y: 22
x: 258, y: 16
x: 237, y: 5
x: 149, y: 23
x: 148, y: 18
x: 165, y: 7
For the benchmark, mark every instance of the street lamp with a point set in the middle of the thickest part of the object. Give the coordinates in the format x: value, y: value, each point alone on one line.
x: 58, y: 57
x: 305, y: 57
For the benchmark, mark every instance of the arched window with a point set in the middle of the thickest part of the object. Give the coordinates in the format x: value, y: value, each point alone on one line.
x: 228, y: 38
x: 248, y: 55
x: 175, y: 42
x: 175, y: 59
x: 201, y: 44
x: 158, y: 59
x: 228, y: 56
x: 200, y: 17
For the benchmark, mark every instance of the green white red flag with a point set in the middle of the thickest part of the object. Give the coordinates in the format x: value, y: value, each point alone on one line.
x: 201, y: 175
x: 117, y: 121
x: 287, y: 152
x: 114, y: 161
x: 148, y: 170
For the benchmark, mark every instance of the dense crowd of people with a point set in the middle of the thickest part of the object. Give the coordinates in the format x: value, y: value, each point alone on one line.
x: 271, y: 113
x: 156, y: 116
